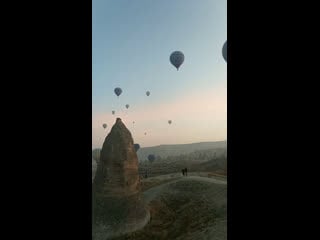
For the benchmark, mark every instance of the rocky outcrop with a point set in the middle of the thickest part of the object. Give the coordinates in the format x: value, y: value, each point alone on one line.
x: 118, y: 206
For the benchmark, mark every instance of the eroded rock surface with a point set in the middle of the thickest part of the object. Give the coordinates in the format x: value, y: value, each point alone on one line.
x: 118, y: 206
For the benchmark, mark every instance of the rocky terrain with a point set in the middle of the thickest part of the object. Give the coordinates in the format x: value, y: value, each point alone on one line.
x: 190, y: 208
x: 118, y: 205
x: 164, y: 206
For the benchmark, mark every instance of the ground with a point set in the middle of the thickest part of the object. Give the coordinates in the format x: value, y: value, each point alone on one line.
x: 192, y: 207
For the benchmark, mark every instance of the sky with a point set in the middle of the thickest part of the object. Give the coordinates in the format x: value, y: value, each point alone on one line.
x: 131, y: 44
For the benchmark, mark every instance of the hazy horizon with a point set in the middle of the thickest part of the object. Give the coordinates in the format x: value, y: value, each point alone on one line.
x: 131, y: 45
x: 164, y: 144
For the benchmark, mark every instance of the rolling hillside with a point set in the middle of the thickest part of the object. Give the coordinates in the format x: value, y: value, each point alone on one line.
x: 177, y: 149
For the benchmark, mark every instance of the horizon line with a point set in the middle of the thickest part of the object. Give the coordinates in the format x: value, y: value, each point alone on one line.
x: 177, y: 144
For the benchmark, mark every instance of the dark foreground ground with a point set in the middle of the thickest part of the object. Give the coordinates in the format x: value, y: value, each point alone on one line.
x: 193, y: 207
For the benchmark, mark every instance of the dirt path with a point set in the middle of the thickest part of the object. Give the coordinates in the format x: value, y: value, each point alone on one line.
x: 151, y: 193
x: 184, y: 208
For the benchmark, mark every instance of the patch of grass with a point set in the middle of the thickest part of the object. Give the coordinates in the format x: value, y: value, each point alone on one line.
x: 187, y: 210
x: 147, y: 183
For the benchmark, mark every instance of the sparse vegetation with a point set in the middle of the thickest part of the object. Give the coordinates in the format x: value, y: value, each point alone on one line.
x: 210, y: 160
x: 192, y: 207
x: 186, y: 209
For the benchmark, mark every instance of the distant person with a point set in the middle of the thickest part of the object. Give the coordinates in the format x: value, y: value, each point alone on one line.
x: 182, y: 170
x: 186, y: 171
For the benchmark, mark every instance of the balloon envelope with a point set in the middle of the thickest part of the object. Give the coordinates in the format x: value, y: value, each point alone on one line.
x: 113, y: 112
x: 224, y: 51
x: 127, y: 106
x: 104, y: 126
x: 118, y: 91
x: 176, y: 59
x: 151, y: 157
x: 169, y: 121
x: 148, y: 93
x: 136, y: 147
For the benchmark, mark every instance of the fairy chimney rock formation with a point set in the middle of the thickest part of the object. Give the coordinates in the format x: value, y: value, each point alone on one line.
x: 117, y: 173
x: 118, y: 206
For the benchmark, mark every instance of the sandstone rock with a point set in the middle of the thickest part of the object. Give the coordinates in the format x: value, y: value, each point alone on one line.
x: 118, y: 206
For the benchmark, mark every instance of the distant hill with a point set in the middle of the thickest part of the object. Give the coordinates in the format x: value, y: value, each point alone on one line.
x: 209, y: 160
x: 203, y: 156
x: 171, y: 150
x: 178, y: 149
x: 164, y: 151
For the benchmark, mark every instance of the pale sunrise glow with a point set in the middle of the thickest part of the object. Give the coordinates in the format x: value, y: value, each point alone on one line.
x: 132, y: 42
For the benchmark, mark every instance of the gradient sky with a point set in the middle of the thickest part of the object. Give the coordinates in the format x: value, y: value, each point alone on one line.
x: 131, y: 44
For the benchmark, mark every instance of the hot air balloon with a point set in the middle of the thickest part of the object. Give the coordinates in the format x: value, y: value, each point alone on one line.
x: 136, y: 147
x: 148, y: 93
x: 104, y: 125
x: 151, y: 158
x: 118, y: 91
x: 224, y: 51
x: 133, y: 122
x: 176, y: 59
x: 145, y: 133
x: 113, y: 112
x: 127, y: 106
x: 169, y: 121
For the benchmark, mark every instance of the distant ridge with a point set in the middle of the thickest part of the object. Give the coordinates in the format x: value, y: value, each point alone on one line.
x: 165, y: 150
x: 200, y: 143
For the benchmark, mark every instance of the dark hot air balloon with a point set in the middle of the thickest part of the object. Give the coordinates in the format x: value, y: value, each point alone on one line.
x: 127, y: 106
x: 104, y: 125
x: 118, y: 91
x: 224, y: 51
x: 151, y: 158
x: 113, y: 112
x: 169, y: 121
x: 136, y: 147
x: 176, y: 59
x: 148, y: 93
